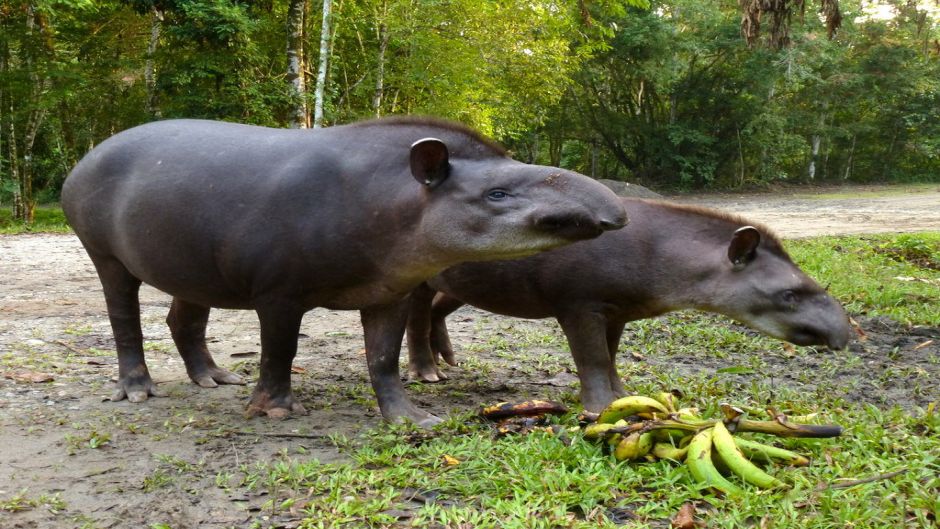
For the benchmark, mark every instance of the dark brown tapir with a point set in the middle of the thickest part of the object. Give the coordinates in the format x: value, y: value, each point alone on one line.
x: 670, y: 257
x: 282, y: 221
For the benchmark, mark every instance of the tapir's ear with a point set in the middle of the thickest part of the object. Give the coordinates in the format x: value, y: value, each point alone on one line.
x: 429, y: 161
x: 743, y: 247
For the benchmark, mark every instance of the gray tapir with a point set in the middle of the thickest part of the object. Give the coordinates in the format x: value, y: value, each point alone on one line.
x: 670, y: 257
x: 282, y: 221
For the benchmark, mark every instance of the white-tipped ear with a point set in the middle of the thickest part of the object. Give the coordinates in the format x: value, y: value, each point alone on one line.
x: 429, y: 161
x: 743, y: 246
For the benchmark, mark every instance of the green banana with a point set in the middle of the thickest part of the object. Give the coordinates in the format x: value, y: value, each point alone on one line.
x: 732, y: 457
x: 632, y: 405
x: 768, y: 454
x: 667, y: 399
x: 634, y: 446
x: 597, y: 430
x: 668, y: 451
x: 699, y: 461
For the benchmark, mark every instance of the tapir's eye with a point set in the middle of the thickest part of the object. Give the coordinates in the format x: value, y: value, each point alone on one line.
x: 789, y: 297
x: 497, y: 194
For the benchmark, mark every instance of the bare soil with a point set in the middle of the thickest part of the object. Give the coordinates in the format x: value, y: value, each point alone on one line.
x: 113, y: 465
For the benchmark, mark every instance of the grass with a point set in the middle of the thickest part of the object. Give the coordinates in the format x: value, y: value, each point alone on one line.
x: 471, y: 477
x: 879, y: 275
x: 48, y: 219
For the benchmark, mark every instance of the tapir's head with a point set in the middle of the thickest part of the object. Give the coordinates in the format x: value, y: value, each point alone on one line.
x: 764, y: 289
x: 492, y: 207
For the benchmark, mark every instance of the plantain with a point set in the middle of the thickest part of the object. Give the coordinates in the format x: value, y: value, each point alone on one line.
x: 664, y: 450
x: 632, y: 405
x: 597, y: 430
x: 528, y: 408
x: 768, y: 454
x: 699, y: 461
x: 732, y: 457
x: 667, y: 399
x: 634, y: 446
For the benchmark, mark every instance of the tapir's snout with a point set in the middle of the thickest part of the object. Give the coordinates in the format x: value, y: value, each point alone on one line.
x: 579, y: 226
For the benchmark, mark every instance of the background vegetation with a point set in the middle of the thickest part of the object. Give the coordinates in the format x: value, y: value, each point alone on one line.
x: 670, y: 94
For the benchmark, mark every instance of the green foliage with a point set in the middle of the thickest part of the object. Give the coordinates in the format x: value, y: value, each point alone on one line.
x: 664, y: 93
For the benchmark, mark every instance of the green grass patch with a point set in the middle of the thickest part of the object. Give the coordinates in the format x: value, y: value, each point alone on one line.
x: 476, y: 479
x: 878, y: 275
x: 47, y: 219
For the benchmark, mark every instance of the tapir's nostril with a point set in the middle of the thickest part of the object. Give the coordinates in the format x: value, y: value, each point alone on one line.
x: 613, y: 224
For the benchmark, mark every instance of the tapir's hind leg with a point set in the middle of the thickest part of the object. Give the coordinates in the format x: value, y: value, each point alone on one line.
x: 422, y: 364
x: 187, y: 323
x: 614, y: 332
x: 121, y: 295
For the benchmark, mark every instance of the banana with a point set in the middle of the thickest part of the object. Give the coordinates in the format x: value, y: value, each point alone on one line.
x: 667, y: 399
x: 632, y: 405
x: 668, y: 451
x: 597, y: 430
x: 699, y: 461
x: 529, y: 408
x: 768, y: 454
x: 634, y: 446
x: 736, y: 462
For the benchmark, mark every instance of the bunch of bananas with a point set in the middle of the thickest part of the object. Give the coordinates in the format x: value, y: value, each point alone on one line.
x: 639, y: 427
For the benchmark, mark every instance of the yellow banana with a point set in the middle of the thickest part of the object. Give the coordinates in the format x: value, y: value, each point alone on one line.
x: 634, y: 446
x: 699, y: 461
x: 768, y: 454
x: 597, y: 430
x: 668, y: 451
x: 627, y: 406
x: 667, y: 399
x: 736, y: 462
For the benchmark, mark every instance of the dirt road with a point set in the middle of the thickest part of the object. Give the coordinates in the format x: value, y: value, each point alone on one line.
x: 68, y: 458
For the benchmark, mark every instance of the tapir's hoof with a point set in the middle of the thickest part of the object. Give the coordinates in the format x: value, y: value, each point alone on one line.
x: 136, y: 392
x: 274, y: 409
x: 426, y: 374
x: 214, y: 376
x: 416, y: 415
x: 448, y: 356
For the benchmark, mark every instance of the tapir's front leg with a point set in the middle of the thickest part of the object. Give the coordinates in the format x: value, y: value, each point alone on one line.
x: 384, y: 328
x: 587, y: 337
x: 272, y: 395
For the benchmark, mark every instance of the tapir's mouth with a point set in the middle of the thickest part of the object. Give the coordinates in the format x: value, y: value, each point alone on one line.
x: 810, y: 336
x: 576, y: 227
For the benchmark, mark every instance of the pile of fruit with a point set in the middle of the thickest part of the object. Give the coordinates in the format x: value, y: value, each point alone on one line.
x: 639, y: 427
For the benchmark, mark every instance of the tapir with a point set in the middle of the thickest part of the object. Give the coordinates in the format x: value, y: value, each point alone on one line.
x: 670, y: 257
x: 281, y: 221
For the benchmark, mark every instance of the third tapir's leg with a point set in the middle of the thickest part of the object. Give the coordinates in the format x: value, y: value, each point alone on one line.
x: 587, y: 337
x: 121, y: 290
x: 442, y: 307
x: 422, y: 364
x: 384, y: 327
x: 187, y: 323
x: 614, y: 332
x: 272, y: 395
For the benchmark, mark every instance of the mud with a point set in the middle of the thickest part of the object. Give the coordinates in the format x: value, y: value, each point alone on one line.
x: 70, y: 458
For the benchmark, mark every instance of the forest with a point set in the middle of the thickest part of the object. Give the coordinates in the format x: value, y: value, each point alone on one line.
x: 671, y: 94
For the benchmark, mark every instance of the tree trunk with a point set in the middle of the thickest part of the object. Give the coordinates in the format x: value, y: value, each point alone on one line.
x: 380, y: 70
x: 321, y: 72
x: 156, y: 23
x: 295, y: 62
x: 848, y: 163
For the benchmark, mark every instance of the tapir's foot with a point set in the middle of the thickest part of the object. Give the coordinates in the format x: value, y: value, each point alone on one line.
x: 595, y: 401
x: 447, y: 354
x: 211, y: 377
x: 279, y: 407
x: 425, y: 373
x: 136, y: 389
x: 408, y: 412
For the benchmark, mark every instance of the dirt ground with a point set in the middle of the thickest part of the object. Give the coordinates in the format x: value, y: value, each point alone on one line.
x: 69, y: 458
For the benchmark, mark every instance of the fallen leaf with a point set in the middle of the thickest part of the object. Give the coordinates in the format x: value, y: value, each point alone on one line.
x: 789, y: 348
x: 685, y: 518
x: 31, y: 377
x: 637, y: 356
x: 297, y: 369
x: 450, y: 460
x: 242, y: 354
x: 858, y: 330
x: 922, y: 345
